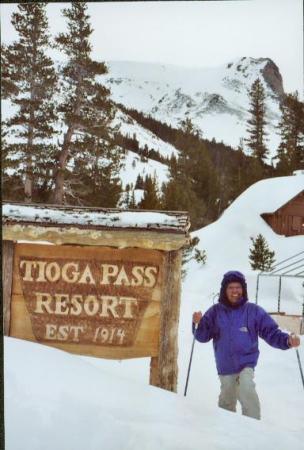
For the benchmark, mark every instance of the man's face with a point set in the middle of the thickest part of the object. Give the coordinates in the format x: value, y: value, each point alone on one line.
x: 234, y: 292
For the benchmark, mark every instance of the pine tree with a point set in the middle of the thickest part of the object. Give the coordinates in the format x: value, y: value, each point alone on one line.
x: 188, y: 127
x: 127, y: 196
x: 261, y: 257
x: 290, y: 153
x: 150, y: 199
x: 8, y: 86
x: 29, y: 83
x: 257, y: 122
x: 133, y: 204
x: 86, y: 112
x: 181, y: 191
x: 139, y: 182
x: 200, y: 169
x: 94, y: 179
x: 189, y: 253
x: 193, y: 184
x: 178, y: 195
x: 11, y: 183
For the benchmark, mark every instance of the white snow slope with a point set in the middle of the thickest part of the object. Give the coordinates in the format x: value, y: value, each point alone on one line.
x: 216, y: 99
x: 54, y: 400
x: 133, y: 165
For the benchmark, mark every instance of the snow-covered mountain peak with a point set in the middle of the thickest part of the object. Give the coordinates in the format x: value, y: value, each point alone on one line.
x: 215, y: 98
x: 250, y: 69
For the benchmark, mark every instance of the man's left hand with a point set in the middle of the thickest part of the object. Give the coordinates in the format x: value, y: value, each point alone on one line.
x: 294, y: 340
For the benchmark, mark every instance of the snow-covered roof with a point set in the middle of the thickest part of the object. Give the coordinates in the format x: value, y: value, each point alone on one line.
x: 227, y: 241
x: 95, y: 218
x: 266, y: 196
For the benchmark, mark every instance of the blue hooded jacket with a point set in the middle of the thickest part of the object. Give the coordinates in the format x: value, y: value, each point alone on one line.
x: 235, y: 329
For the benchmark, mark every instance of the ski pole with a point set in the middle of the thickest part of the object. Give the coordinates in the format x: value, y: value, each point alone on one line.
x: 299, y: 361
x: 190, y: 362
x: 300, y: 366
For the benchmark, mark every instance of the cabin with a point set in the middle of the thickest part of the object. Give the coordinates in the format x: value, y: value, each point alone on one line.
x: 288, y: 219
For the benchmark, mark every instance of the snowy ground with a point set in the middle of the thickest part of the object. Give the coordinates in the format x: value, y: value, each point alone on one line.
x: 54, y: 400
x: 59, y: 401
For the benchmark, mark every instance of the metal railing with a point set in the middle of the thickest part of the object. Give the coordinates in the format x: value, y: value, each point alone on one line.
x: 295, y: 270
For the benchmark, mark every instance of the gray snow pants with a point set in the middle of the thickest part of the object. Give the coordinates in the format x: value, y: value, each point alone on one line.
x: 240, y: 386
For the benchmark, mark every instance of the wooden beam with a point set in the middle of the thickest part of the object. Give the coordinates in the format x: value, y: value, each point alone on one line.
x: 7, y: 277
x: 111, y: 238
x: 164, y: 369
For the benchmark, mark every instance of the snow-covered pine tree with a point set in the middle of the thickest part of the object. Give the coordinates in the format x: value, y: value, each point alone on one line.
x: 257, y: 122
x: 87, y: 158
x: 261, y: 257
x: 290, y: 153
x: 29, y: 84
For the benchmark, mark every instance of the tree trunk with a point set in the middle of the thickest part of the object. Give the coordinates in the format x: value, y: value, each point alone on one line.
x: 59, y: 178
x: 63, y: 158
x: 28, y: 184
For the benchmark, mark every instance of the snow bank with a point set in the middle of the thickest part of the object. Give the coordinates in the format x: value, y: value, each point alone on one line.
x: 63, y: 401
x: 59, y: 401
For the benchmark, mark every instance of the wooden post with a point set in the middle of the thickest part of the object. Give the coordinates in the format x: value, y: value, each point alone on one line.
x: 163, y: 369
x: 7, y: 278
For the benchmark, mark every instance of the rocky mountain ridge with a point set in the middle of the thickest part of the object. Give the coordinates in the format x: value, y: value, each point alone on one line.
x: 215, y: 99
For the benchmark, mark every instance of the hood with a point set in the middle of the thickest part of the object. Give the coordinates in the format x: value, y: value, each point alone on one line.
x: 230, y: 277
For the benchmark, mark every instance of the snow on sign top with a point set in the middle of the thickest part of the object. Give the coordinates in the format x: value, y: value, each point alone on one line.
x: 94, y: 218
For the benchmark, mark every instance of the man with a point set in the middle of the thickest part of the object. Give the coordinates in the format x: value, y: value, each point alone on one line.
x: 234, y: 324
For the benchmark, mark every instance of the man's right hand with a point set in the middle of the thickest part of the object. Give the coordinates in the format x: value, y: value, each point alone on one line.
x: 197, y: 316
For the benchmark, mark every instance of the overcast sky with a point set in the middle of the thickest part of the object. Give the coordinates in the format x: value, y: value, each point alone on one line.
x: 193, y: 34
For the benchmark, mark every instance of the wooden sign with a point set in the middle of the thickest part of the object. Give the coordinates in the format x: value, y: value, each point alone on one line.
x: 95, y: 301
x: 108, y: 285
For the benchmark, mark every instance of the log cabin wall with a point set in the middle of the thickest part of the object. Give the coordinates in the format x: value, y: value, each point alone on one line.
x: 289, y: 219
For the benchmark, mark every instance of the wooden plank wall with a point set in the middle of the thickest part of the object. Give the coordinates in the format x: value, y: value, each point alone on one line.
x: 288, y: 220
